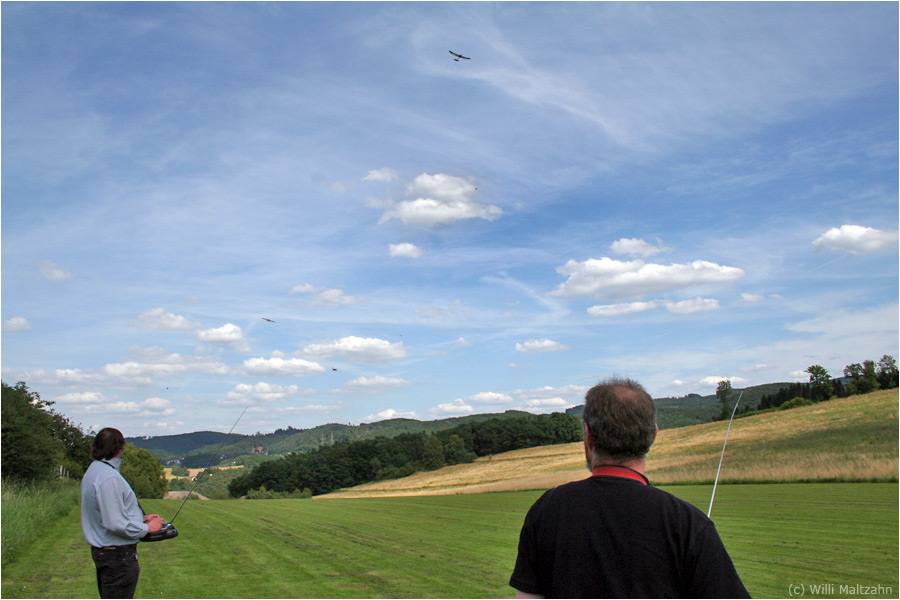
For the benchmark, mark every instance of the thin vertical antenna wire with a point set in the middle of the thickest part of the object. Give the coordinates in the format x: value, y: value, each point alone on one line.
x: 716, y: 482
x: 200, y: 474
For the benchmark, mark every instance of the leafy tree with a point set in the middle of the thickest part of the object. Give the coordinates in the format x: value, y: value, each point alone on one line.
x: 723, y: 390
x: 36, y: 439
x: 432, y: 453
x: 887, y: 372
x: 179, y: 471
x: 143, y: 472
x: 820, y: 383
x: 28, y: 448
x: 863, y: 376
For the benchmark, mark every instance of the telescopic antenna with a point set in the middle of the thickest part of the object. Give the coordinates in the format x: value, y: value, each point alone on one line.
x: 713, y: 497
x: 200, y: 474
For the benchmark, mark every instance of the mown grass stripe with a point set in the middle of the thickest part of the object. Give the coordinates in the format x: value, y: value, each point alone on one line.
x: 459, y: 546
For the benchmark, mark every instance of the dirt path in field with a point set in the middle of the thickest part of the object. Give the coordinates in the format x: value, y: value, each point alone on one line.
x: 181, y: 495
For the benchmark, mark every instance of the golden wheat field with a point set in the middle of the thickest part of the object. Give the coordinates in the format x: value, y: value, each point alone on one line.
x: 848, y: 439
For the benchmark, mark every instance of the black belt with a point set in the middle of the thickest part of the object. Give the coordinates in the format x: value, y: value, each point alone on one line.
x: 122, y: 547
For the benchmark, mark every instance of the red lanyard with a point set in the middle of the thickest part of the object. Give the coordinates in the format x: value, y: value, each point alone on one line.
x: 619, y: 471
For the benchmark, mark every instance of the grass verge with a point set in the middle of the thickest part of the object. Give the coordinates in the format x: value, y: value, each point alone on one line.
x: 30, y: 508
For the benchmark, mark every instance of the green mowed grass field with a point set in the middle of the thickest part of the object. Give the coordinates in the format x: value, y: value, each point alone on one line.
x: 785, y: 539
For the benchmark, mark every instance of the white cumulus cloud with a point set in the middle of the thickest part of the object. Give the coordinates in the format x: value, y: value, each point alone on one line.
x: 491, y: 399
x: 638, y: 247
x: 405, y: 250
x: 376, y: 384
x: 357, y: 349
x: 50, y: 271
x: 440, y: 199
x: 381, y: 175
x: 457, y: 407
x: 229, y: 333
x: 390, y: 413
x: 543, y: 345
x: 157, y: 318
x: 856, y: 239
x: 325, y: 296
x: 16, y: 324
x: 279, y: 366
x: 261, y: 392
x: 610, y: 278
x: 684, y: 307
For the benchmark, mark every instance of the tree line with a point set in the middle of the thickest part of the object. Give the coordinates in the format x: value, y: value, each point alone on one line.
x: 349, y: 463
x: 39, y: 443
x: 859, y: 378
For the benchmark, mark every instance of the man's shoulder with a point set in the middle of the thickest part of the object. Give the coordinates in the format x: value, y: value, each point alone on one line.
x: 626, y: 490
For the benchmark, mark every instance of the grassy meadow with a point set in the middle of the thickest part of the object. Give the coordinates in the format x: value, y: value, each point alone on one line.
x: 421, y: 537
x: 459, y: 546
x: 846, y: 439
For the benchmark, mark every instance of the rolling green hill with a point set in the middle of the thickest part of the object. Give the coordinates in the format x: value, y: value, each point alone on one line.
x: 196, y: 448
x: 694, y: 409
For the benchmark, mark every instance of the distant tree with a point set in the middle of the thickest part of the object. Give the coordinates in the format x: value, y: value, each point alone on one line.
x: 887, y: 372
x: 179, y: 471
x: 819, y: 383
x: 143, y: 472
x: 723, y: 390
x: 432, y: 453
x: 863, y: 377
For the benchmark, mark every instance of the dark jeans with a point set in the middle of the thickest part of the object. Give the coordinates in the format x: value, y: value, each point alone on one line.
x: 117, y: 570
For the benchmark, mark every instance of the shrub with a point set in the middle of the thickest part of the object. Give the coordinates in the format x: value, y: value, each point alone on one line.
x: 796, y: 403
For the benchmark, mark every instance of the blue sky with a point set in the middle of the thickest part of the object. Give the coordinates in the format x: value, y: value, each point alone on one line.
x: 674, y: 192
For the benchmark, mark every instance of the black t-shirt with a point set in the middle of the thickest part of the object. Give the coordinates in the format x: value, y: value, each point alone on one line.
x: 612, y: 537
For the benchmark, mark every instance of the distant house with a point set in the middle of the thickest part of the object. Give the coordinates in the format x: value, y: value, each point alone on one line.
x: 258, y: 450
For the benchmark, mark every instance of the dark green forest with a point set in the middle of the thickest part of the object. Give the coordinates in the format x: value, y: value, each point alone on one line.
x: 346, y: 463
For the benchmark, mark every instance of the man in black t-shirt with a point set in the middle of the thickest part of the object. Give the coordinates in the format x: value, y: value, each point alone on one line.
x: 613, y: 535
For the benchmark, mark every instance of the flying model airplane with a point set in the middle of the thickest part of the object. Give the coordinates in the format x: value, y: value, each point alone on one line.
x: 458, y: 56
x: 269, y: 320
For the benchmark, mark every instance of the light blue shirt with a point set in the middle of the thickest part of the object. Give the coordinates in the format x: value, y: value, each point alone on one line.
x: 110, y: 514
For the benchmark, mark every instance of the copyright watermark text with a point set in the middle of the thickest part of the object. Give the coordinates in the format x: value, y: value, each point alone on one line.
x: 811, y: 590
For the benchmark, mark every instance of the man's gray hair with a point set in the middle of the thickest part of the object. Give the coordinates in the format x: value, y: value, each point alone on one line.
x: 621, y: 418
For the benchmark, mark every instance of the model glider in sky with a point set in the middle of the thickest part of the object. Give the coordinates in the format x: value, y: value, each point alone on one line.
x: 456, y: 56
x: 269, y: 320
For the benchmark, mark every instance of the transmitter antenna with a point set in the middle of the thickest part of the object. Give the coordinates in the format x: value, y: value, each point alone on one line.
x: 713, y: 497
x: 200, y: 474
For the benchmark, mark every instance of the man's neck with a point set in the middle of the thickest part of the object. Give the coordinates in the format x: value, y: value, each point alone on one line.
x: 637, y: 464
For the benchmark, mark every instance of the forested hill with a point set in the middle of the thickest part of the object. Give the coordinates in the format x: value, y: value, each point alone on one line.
x: 195, y: 449
x: 694, y: 409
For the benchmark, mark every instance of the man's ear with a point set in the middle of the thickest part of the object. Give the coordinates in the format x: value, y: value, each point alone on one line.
x: 587, y: 438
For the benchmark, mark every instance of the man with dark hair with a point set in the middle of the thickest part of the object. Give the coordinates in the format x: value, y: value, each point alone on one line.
x: 112, y: 519
x: 613, y: 535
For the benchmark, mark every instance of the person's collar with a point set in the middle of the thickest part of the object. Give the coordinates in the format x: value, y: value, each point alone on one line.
x: 114, y: 462
x: 620, y: 471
